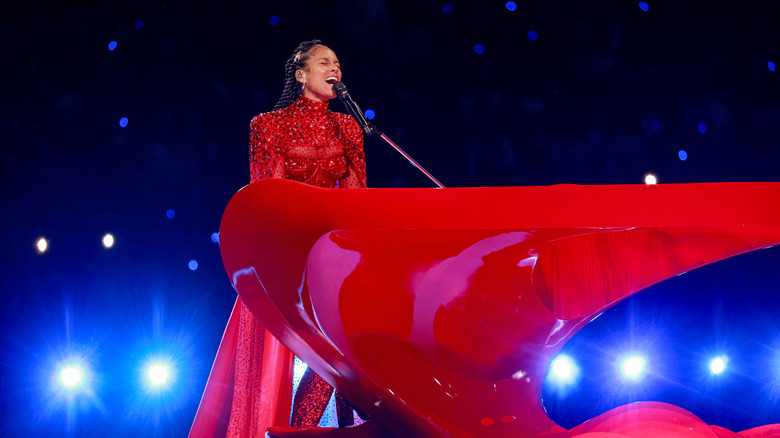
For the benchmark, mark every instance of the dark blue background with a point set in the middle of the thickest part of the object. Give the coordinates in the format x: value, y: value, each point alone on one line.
x: 604, y: 95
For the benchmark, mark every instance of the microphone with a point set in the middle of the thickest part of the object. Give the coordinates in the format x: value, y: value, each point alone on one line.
x: 352, y: 107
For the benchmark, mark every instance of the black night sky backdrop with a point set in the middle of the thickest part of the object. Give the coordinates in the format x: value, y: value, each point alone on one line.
x: 582, y: 92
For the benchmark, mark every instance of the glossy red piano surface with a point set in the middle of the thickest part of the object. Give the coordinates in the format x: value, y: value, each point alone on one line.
x: 437, y: 311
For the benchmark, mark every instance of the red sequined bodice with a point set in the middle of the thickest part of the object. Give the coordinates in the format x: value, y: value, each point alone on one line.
x: 305, y: 142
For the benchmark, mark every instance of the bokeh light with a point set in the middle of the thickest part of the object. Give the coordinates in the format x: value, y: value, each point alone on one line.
x: 170, y: 214
x: 650, y: 179
x: 633, y: 367
x: 702, y: 127
x: 274, y: 20
x: 447, y: 8
x: 215, y: 237
x: 42, y: 245
x: 370, y: 114
x: 193, y: 265
x: 644, y: 6
x: 112, y: 45
x: 479, y: 49
x: 770, y: 65
x: 139, y: 25
x: 655, y: 125
x: 682, y: 155
x: 108, y: 240
x: 532, y: 35
x: 512, y: 6
x: 123, y: 122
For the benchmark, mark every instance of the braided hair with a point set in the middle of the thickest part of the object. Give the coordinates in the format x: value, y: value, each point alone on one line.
x: 292, y: 89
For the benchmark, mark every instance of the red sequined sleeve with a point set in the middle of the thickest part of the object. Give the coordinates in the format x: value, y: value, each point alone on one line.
x: 266, y: 158
x: 356, y: 176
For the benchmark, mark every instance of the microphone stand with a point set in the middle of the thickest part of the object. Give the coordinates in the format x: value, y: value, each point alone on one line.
x: 369, y: 129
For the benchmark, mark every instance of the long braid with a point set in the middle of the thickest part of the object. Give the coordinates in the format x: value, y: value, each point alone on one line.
x: 296, y: 62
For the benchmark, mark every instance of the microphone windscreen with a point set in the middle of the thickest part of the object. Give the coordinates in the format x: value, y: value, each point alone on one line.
x: 340, y: 88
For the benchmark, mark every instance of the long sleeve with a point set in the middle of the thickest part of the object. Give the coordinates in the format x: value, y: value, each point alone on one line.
x: 266, y: 158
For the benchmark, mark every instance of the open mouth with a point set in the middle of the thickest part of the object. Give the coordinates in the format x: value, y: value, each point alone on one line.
x: 331, y: 80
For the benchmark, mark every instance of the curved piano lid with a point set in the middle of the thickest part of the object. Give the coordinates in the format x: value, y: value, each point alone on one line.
x: 437, y: 311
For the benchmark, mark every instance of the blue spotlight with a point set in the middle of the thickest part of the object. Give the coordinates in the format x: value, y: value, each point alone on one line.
x: 644, y: 6
x: 479, y: 49
x: 370, y: 114
x: 563, y: 370
x: 718, y: 365
x: 72, y: 376
x: 193, y: 265
x: 274, y: 20
x: 170, y: 213
x: 770, y: 65
x: 682, y: 155
x: 633, y: 367
x: 123, y: 122
x: 702, y: 127
x: 158, y: 374
x: 512, y: 6
x: 215, y: 237
x: 532, y: 35
x: 112, y: 46
x: 447, y: 8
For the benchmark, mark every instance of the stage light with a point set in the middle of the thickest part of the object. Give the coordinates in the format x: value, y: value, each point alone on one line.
x: 682, y: 155
x: 532, y: 35
x: 770, y: 65
x: 702, y: 128
x: 215, y: 237
x: 158, y: 374
x: 479, y: 49
x: 512, y: 6
x: 447, y: 9
x: 370, y: 114
x: 563, y: 370
x: 274, y: 20
x: 170, y: 213
x: 718, y: 365
x: 42, y: 244
x: 633, y: 367
x: 650, y: 179
x: 123, y: 122
x: 193, y: 265
x: 112, y: 46
x: 108, y: 240
x: 644, y: 6
x: 71, y: 376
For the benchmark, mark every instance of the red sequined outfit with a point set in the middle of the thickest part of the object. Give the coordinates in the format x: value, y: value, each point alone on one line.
x: 307, y: 143
x: 250, y: 382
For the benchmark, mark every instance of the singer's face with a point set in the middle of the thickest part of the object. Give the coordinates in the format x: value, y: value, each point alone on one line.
x: 322, y: 70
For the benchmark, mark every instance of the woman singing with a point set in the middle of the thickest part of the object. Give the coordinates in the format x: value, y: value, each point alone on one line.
x: 300, y: 140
